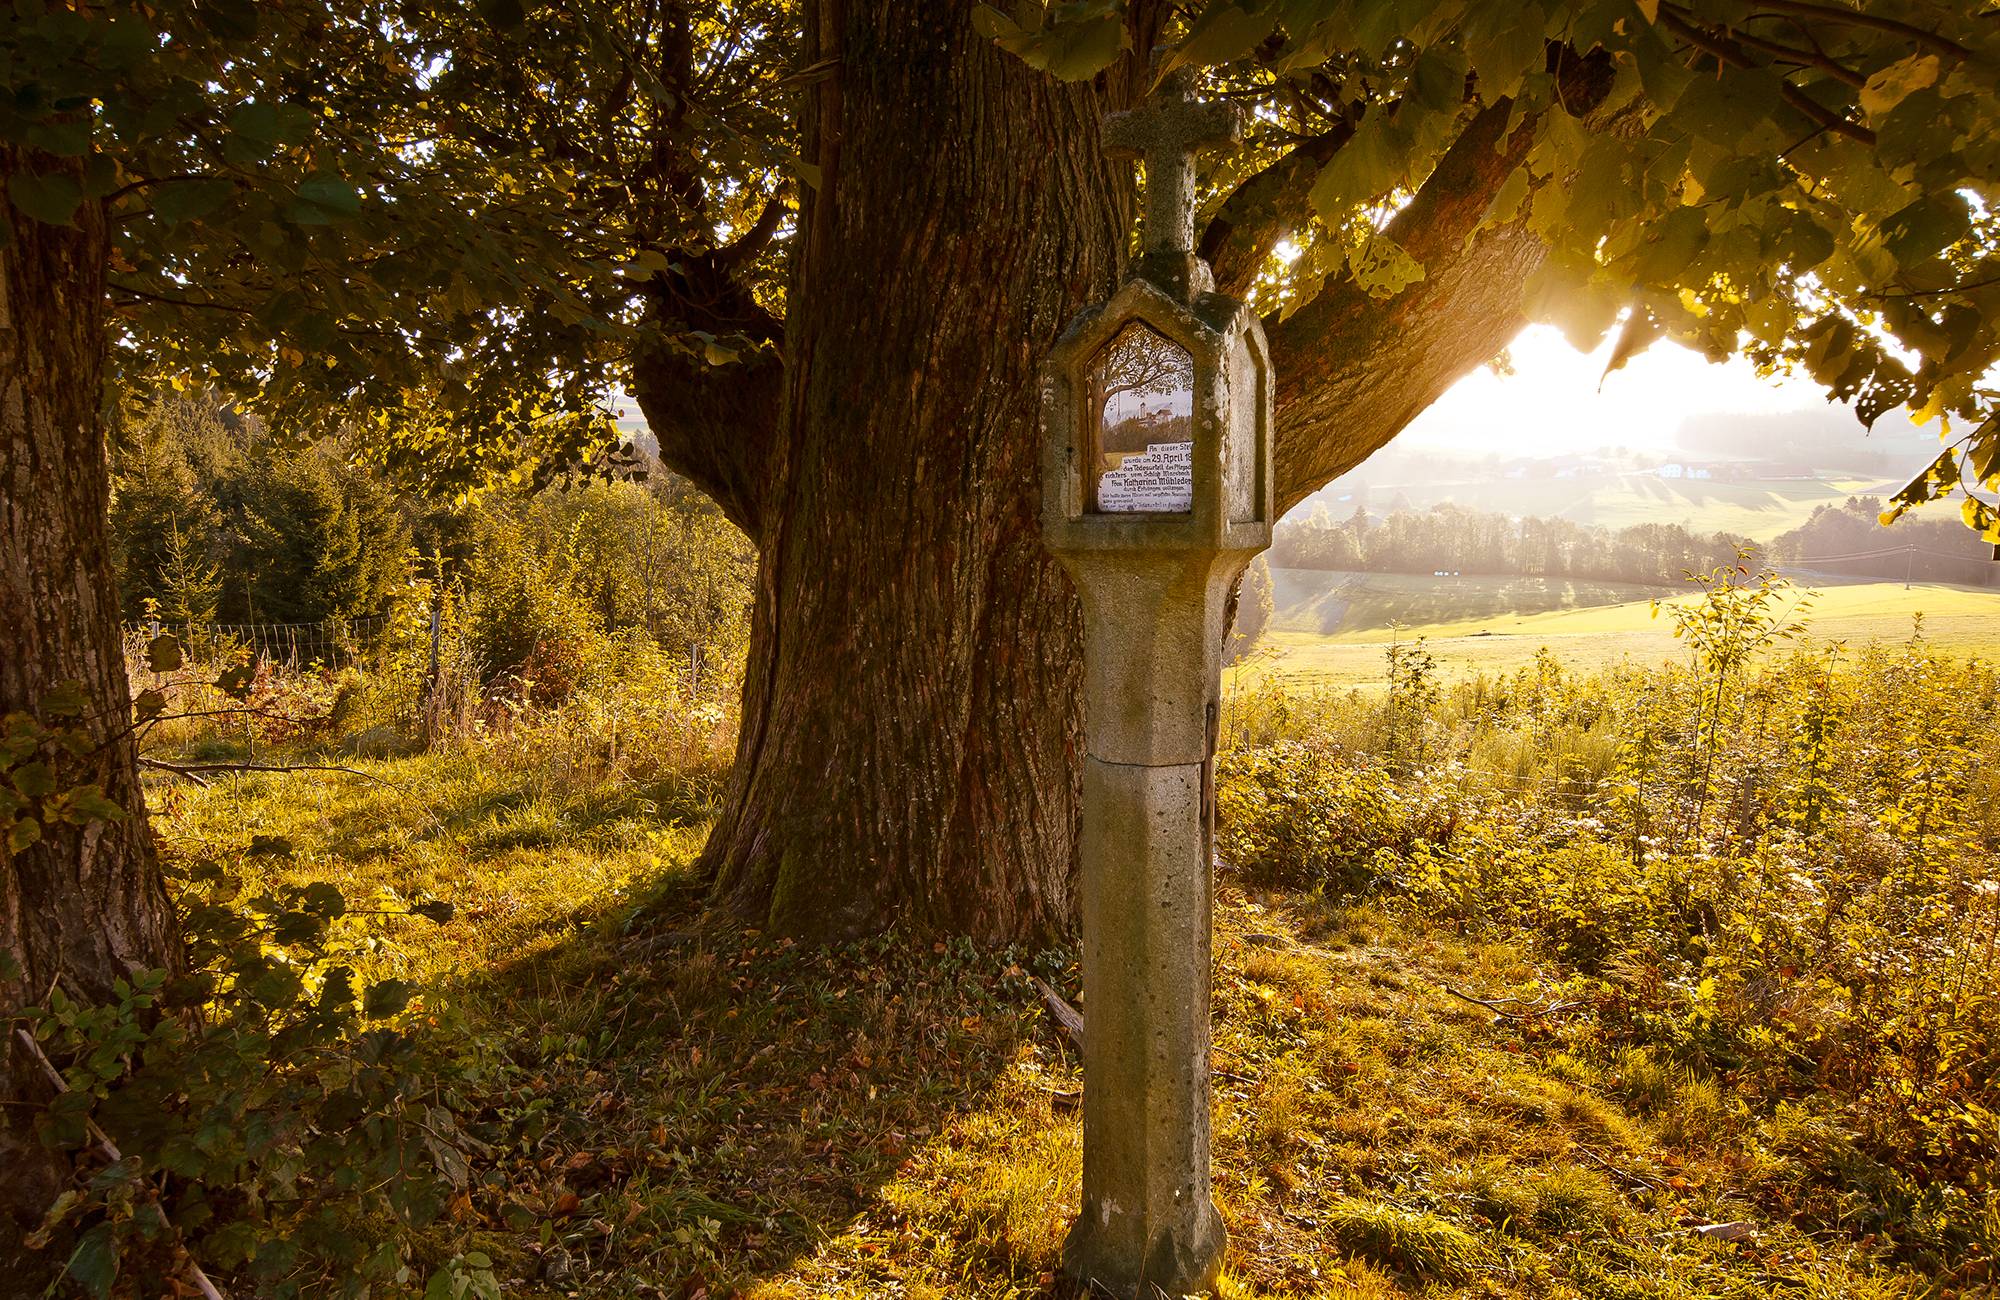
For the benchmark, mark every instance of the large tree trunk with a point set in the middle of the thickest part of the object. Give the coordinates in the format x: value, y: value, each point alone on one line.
x: 85, y: 904
x: 911, y: 706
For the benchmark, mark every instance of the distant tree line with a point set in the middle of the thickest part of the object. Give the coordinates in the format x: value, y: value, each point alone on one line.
x: 1451, y: 538
x: 1849, y: 539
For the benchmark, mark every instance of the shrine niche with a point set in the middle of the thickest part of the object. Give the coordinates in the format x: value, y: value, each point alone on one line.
x: 1140, y: 405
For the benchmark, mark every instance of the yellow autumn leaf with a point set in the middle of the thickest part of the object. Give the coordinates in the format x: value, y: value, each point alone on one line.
x: 1897, y: 82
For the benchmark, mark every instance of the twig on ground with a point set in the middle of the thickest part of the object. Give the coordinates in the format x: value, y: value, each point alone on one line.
x: 1642, y: 1180
x: 1497, y: 1005
x: 194, y: 771
x: 1067, y: 1017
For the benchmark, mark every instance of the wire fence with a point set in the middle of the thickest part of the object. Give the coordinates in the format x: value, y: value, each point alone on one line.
x: 331, y: 642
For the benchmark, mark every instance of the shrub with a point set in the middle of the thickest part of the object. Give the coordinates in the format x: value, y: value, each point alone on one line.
x: 1755, y: 878
x: 286, y: 1128
x: 1290, y: 816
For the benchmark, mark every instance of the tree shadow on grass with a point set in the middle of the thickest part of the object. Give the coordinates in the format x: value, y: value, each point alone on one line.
x: 687, y: 1106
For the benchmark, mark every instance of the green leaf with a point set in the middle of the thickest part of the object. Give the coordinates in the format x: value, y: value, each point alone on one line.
x: 336, y: 993
x: 51, y: 200
x: 1670, y: 245
x: 163, y: 653
x: 113, y: 1175
x: 1437, y: 83
x: 35, y: 780
x: 1897, y: 82
x: 256, y: 122
x: 324, y: 898
x: 177, y: 201
x: 68, y: 700
x: 1925, y: 228
x: 1367, y: 167
x: 237, y: 681
x: 1722, y: 109
x: 25, y: 832
x: 504, y: 15
x: 1566, y: 297
x: 992, y: 24
x: 386, y: 998
x: 324, y: 200
x: 94, y: 1263
x: 1937, y: 480
x: 1075, y: 51
x: 87, y: 804
x: 229, y: 20
x: 1507, y: 200
x: 1225, y: 31
x: 1383, y: 268
x: 68, y: 138
x: 1503, y: 45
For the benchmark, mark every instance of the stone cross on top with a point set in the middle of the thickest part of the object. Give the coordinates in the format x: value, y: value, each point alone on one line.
x: 1166, y: 133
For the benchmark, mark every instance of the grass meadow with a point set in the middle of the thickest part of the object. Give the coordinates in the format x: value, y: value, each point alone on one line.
x: 1540, y: 982
x: 681, y: 1109
x: 1328, y: 630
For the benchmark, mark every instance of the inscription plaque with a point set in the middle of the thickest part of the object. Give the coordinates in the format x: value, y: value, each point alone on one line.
x: 1141, y: 409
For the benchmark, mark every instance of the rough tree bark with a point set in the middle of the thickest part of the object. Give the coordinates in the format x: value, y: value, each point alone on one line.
x: 911, y: 706
x: 85, y: 904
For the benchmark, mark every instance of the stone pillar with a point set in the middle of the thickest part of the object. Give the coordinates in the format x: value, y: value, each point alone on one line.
x: 1154, y: 625
x: 1156, y: 492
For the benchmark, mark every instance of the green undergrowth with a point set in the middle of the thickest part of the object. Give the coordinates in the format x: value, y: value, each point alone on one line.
x: 651, y: 1103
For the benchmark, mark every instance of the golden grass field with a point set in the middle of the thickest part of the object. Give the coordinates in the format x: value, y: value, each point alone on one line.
x: 1479, y: 625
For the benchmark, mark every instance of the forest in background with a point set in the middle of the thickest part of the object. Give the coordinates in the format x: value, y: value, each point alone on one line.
x: 224, y: 528
x: 1836, y: 540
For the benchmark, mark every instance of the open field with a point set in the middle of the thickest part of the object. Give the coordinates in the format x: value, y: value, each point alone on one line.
x: 1329, y: 629
x: 1757, y: 508
x: 1314, y: 602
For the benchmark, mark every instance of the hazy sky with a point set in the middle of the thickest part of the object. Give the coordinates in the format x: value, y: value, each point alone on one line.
x: 1551, y: 403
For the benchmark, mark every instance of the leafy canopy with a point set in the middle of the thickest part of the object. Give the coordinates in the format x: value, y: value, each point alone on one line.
x: 438, y: 219
x: 1810, y: 183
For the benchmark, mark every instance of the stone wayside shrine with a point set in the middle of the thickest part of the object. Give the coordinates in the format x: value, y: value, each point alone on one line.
x: 1156, y: 493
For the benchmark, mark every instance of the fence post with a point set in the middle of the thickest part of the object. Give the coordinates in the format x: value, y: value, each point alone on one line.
x: 429, y: 701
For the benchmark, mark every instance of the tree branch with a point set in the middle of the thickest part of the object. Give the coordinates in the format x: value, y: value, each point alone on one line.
x: 1354, y: 371
x: 1724, y: 50
x: 196, y: 771
x: 717, y: 424
x: 1793, y: 54
x: 1264, y: 209
x: 1853, y: 18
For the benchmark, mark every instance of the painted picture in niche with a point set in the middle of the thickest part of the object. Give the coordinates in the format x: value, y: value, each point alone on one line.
x: 1142, y: 406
